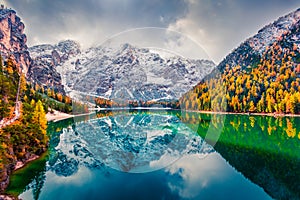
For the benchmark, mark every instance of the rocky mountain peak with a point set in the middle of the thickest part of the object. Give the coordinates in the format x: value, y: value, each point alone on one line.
x: 126, y: 46
x: 12, y: 39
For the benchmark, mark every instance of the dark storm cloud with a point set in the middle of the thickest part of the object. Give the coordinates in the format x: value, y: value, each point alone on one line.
x: 92, y: 20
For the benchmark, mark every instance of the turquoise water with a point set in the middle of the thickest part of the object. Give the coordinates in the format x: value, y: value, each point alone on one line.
x: 161, y: 155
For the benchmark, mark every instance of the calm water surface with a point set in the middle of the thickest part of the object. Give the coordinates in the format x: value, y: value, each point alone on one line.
x: 162, y: 155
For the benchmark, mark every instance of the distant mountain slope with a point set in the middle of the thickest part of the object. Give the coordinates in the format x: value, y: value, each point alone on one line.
x: 250, y: 52
x: 261, y: 75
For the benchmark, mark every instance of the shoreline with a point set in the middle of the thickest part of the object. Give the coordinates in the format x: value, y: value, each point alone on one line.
x: 207, y: 112
x: 58, y: 116
x: 20, y: 164
x: 244, y: 113
x: 6, y: 197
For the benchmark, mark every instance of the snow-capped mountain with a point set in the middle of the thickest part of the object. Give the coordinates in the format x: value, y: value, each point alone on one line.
x: 131, y: 73
x: 54, y: 54
x: 124, y: 72
x: 45, y: 59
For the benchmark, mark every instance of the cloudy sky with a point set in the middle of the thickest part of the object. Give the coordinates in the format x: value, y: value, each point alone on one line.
x: 218, y: 26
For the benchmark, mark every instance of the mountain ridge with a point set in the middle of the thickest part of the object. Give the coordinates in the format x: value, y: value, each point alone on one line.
x: 121, y: 68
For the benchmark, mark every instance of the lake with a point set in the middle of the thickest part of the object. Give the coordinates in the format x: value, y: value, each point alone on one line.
x: 166, y: 155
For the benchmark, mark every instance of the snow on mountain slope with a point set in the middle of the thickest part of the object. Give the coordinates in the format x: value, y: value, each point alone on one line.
x: 46, y: 58
x: 131, y: 73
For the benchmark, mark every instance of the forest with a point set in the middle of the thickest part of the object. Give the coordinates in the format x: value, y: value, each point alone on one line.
x: 23, y: 123
x: 270, y: 85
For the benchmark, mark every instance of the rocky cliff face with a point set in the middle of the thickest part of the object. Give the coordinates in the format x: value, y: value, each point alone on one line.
x: 46, y: 58
x: 13, y: 40
x: 37, y: 63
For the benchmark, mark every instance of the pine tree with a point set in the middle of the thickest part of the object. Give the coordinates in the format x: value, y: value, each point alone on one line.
x: 59, y: 97
x: 23, y: 84
x: 252, y: 107
x: 32, y: 102
x: 39, y: 116
x: 1, y: 64
x: 49, y: 92
x: 9, y: 66
x: 67, y: 100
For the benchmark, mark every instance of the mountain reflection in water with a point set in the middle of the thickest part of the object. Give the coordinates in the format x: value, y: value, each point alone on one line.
x: 254, y: 157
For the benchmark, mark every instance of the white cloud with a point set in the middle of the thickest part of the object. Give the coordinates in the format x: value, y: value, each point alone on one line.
x: 191, y: 30
x: 197, y: 174
x: 220, y: 26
